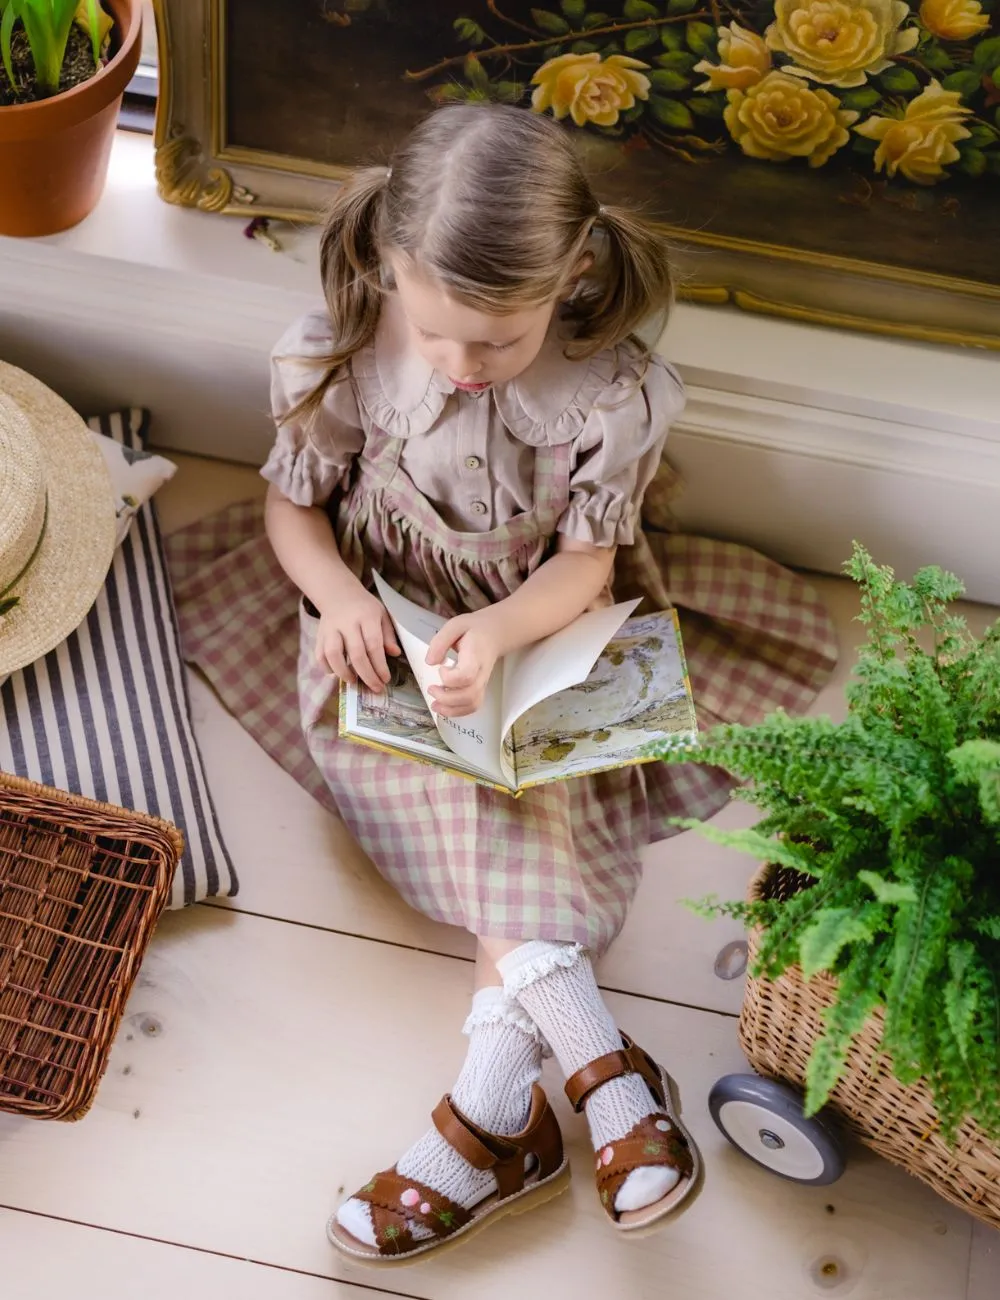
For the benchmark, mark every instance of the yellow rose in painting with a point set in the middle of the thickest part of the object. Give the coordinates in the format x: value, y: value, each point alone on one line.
x: 840, y: 42
x: 743, y: 60
x: 781, y: 118
x: 954, y: 20
x: 922, y: 143
x: 588, y: 88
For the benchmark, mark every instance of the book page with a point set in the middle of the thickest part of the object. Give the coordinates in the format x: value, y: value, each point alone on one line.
x: 398, y: 720
x: 637, y: 693
x: 476, y: 739
x: 561, y: 660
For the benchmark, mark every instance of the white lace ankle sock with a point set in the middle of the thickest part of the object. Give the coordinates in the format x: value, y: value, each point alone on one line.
x: 555, y: 984
x: 493, y: 1090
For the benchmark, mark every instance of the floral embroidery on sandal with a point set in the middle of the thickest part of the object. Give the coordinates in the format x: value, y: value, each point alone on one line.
x: 397, y: 1202
x: 657, y: 1141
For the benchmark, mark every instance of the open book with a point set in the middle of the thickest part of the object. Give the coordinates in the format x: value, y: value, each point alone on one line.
x: 586, y: 699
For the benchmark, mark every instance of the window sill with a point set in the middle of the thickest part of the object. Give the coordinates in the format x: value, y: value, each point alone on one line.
x: 795, y: 438
x: 208, y: 258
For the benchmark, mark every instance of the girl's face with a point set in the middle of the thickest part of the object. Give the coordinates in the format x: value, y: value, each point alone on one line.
x: 472, y: 348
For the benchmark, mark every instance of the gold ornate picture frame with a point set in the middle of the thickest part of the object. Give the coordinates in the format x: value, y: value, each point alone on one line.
x: 263, y: 109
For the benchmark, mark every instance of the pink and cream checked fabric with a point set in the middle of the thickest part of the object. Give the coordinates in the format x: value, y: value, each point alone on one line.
x: 563, y: 862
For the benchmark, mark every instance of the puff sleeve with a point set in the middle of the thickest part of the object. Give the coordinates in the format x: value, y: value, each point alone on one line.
x: 312, y: 456
x: 617, y: 453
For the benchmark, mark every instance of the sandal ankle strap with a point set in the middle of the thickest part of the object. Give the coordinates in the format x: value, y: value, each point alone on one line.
x: 504, y: 1156
x: 631, y: 1059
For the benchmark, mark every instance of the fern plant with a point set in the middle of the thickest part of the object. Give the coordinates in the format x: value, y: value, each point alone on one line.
x: 47, y: 25
x: 892, y: 819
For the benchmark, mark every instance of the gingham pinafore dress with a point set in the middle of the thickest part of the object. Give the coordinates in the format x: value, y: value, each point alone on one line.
x: 563, y: 862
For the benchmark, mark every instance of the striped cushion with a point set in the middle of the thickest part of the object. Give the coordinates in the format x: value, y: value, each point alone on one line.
x: 106, y: 713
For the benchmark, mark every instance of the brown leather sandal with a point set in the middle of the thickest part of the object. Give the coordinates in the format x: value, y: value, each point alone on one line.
x: 653, y: 1142
x: 397, y: 1202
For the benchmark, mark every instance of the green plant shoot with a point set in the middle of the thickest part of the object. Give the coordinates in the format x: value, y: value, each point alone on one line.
x: 47, y: 25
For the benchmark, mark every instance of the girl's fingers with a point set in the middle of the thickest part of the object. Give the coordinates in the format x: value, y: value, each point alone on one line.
x: 335, y: 660
x: 444, y: 640
x: 330, y: 654
x: 458, y: 708
x: 372, y: 637
x: 357, y: 653
x: 392, y: 646
x: 459, y: 677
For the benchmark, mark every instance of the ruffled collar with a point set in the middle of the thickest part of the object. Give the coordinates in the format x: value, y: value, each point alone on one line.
x: 546, y: 405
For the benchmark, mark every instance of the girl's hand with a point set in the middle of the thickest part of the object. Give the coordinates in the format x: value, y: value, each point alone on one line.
x: 464, y: 682
x: 355, y: 635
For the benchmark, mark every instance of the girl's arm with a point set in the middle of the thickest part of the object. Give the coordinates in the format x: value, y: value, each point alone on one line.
x: 556, y: 593
x: 355, y: 632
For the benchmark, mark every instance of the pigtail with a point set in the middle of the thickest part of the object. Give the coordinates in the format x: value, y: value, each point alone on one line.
x: 630, y: 283
x: 350, y: 265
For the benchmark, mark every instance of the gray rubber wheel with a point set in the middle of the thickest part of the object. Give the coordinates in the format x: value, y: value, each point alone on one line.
x: 764, y: 1120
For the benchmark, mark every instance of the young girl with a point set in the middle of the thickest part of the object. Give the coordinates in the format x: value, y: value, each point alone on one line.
x: 473, y: 417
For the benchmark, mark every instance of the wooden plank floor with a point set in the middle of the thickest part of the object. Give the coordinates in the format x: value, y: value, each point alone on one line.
x: 281, y: 1047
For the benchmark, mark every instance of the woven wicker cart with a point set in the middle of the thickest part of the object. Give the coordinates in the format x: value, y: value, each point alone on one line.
x: 762, y: 1116
x: 81, y: 887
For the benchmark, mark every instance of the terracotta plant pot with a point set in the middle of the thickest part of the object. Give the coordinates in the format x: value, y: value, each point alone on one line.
x: 54, y: 153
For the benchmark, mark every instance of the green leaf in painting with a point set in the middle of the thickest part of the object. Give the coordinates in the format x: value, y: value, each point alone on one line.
x: 596, y: 20
x: 937, y: 60
x: 982, y: 135
x: 584, y: 47
x: 574, y: 10
x: 701, y: 38
x: 667, y: 80
x: 449, y: 93
x: 475, y: 73
x: 469, y: 31
x: 639, y: 39
x: 707, y: 105
x: 966, y: 82
x: 860, y: 100
x: 822, y: 942
x: 636, y: 10
x: 677, y: 61
x: 507, y: 92
x: 900, y: 81
x: 550, y: 23
x: 676, y: 7
x: 986, y: 55
x: 670, y: 113
x: 859, y: 144
x: 973, y: 161
x: 671, y: 38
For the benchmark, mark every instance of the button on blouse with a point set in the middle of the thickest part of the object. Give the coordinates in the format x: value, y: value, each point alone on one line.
x: 472, y: 456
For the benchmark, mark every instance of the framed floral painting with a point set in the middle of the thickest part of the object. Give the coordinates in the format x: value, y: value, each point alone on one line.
x: 833, y: 161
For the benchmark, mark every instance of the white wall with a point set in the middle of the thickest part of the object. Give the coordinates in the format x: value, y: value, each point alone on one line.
x: 796, y: 439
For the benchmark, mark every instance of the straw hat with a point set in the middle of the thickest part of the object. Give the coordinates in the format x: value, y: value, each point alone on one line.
x: 57, y: 520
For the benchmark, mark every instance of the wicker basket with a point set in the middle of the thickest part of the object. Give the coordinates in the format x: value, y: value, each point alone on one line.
x: 778, y: 1026
x: 82, y: 885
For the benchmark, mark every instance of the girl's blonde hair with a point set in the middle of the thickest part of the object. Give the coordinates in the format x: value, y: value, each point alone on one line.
x: 491, y: 201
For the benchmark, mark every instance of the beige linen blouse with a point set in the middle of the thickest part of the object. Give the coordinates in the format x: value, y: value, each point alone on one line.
x: 471, y: 455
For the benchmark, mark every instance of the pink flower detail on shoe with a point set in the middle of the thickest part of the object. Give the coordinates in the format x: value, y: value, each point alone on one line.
x: 410, y: 1198
x: 664, y: 1125
x: 425, y: 1208
x: 607, y: 1155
